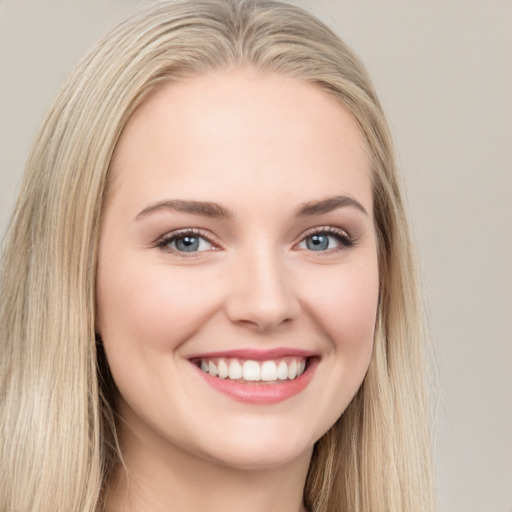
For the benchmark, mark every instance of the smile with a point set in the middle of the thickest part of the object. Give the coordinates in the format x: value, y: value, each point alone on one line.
x: 255, y: 376
x: 288, y: 368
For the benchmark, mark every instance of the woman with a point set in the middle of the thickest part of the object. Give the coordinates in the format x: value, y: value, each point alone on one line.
x: 208, y: 291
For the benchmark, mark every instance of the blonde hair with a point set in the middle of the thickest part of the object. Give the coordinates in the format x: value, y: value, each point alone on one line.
x: 57, y: 428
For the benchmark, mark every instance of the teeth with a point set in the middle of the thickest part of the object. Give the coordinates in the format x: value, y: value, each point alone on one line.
x: 212, y: 368
x: 252, y: 371
x: 223, y: 369
x: 282, y: 371
x: 268, y: 371
x: 292, y: 370
x: 235, y: 370
x: 288, y: 368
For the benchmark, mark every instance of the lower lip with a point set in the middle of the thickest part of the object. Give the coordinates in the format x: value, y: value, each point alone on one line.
x: 263, y: 394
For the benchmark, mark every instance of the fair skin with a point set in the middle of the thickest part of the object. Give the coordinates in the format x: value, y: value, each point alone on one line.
x: 280, y: 271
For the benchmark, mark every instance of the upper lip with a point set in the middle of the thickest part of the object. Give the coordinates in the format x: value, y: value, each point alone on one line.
x: 255, y: 354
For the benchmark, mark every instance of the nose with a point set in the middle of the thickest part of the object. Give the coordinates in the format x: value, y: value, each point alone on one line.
x: 262, y: 295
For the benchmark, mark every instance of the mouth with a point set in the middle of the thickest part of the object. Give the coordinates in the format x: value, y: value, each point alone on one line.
x: 269, y: 371
x: 257, y: 377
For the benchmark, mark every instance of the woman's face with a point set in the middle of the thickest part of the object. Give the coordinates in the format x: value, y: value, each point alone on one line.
x: 237, y: 283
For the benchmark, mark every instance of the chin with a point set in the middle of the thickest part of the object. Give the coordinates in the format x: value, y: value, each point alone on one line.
x: 260, y: 446
x: 261, y: 458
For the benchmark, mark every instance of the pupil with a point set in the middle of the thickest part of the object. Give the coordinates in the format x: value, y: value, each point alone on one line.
x: 187, y: 243
x: 317, y: 242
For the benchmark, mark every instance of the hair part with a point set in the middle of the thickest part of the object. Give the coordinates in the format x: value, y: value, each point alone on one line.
x: 57, y: 394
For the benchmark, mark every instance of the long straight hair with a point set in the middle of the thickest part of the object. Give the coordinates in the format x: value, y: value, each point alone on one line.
x: 57, y: 424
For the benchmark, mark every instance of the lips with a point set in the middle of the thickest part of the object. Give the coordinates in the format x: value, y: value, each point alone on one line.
x: 258, y: 377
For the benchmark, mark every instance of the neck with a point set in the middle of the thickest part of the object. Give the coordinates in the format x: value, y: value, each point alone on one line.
x: 159, y: 480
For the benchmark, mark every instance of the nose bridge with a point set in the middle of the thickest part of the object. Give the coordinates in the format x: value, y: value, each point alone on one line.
x: 262, y: 293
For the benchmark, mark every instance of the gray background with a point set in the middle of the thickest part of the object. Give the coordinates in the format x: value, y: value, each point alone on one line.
x: 444, y: 72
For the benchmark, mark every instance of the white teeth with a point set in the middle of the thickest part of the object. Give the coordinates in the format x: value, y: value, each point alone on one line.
x: 212, y: 368
x: 292, y: 370
x: 252, y: 371
x: 268, y: 371
x: 282, y: 371
x: 288, y: 368
x: 235, y: 370
x: 223, y: 369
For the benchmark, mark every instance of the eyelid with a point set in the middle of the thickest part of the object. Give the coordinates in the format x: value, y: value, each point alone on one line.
x: 345, y: 239
x: 166, y: 239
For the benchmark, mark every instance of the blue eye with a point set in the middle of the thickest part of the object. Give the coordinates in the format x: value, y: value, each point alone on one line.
x: 325, y: 240
x: 318, y: 242
x: 185, y: 242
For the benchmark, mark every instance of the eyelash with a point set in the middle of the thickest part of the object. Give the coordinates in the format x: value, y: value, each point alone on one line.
x: 182, y: 233
x: 343, y: 238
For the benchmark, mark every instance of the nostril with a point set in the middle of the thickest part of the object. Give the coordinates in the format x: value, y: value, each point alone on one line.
x: 263, y: 325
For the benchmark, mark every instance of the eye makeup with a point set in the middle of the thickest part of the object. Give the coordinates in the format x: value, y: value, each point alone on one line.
x: 188, y: 242
x: 325, y: 239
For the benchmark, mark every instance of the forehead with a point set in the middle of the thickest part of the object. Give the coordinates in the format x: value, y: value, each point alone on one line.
x: 238, y: 129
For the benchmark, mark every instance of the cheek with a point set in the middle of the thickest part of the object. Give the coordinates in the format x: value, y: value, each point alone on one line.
x: 145, y: 315
x: 346, y: 308
x: 151, y: 308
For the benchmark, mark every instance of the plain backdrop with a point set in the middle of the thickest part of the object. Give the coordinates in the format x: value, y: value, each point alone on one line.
x: 443, y: 69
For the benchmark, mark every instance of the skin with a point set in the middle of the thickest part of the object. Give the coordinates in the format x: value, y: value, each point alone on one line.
x: 260, y: 146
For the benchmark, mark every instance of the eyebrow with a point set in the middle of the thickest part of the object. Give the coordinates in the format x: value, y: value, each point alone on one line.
x: 214, y: 210
x: 205, y: 209
x: 328, y: 205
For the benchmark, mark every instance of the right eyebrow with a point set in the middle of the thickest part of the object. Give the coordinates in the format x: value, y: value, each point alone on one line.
x: 203, y: 208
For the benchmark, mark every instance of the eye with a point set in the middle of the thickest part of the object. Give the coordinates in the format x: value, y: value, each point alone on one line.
x: 185, y: 241
x: 326, y: 239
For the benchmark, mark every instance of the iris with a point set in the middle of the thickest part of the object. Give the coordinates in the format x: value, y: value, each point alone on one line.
x: 318, y: 242
x: 187, y: 243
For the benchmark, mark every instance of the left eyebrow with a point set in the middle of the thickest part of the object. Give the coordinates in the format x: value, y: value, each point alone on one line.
x: 328, y: 205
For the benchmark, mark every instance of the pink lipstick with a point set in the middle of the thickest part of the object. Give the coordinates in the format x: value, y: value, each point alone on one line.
x: 256, y: 376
